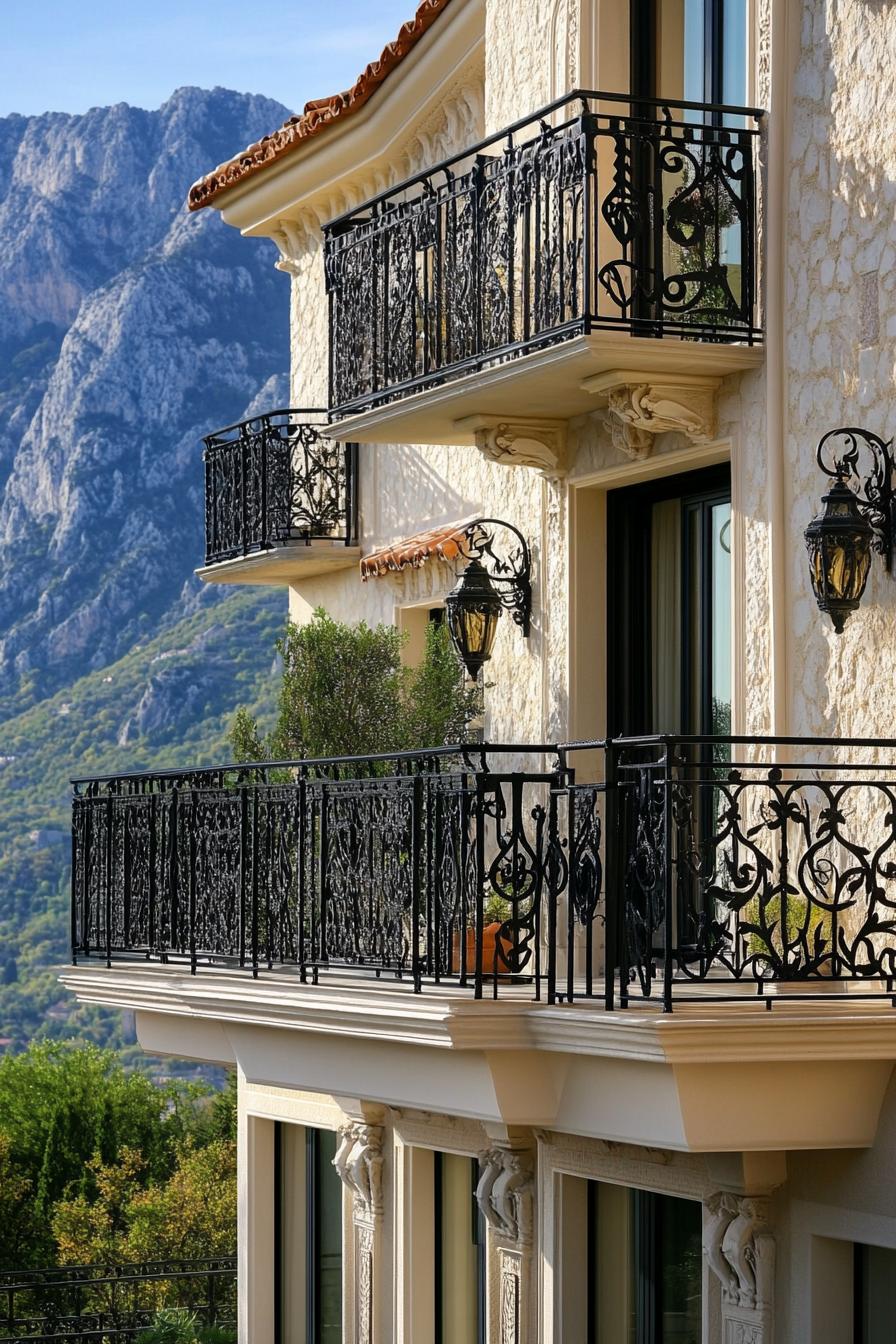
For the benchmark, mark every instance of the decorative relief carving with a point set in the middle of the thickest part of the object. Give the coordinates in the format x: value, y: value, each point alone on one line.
x: 364, y: 1283
x: 641, y: 407
x: 524, y: 443
x: 359, y: 1162
x: 505, y: 1193
x: 511, y: 1272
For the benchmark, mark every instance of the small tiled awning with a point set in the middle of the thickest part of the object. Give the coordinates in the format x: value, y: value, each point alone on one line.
x: 448, y: 542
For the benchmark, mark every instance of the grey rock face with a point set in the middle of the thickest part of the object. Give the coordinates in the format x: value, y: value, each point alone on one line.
x: 127, y: 330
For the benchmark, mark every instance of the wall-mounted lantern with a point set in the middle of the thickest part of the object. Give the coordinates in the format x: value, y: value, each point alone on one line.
x: 496, y: 578
x: 857, y: 519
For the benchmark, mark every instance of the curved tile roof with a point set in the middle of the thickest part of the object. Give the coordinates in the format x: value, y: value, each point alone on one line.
x: 318, y: 115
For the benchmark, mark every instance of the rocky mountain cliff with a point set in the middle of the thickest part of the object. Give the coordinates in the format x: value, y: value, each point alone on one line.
x: 127, y: 330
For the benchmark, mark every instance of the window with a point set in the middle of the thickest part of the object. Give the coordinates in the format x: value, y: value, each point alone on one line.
x: 874, y: 1280
x: 459, y: 1252
x: 690, y: 49
x: 308, y: 1212
x: 645, y: 1267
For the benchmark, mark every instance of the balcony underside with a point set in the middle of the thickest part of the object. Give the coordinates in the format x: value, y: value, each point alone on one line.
x: 712, y: 1078
x: 285, y: 565
x: 557, y: 383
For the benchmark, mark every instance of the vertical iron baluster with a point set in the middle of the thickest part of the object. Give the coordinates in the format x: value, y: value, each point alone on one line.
x: 668, y: 883
x: 108, y: 876
x: 416, y: 861
x: 300, y: 875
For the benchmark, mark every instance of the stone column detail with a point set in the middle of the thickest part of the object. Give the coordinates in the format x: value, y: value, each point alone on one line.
x: 359, y: 1162
x: 505, y: 1195
x: 740, y: 1251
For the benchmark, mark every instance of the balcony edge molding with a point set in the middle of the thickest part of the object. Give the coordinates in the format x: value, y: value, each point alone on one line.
x: 525, y: 442
x: 641, y: 406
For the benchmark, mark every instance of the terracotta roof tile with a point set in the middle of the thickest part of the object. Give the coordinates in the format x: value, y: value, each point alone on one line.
x: 448, y: 542
x: 318, y: 115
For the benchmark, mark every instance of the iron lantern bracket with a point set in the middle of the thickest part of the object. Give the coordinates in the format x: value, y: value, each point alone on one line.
x: 873, y: 489
x: 508, y: 563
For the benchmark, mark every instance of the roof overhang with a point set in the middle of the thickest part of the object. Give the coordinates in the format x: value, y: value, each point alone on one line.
x: 324, y: 171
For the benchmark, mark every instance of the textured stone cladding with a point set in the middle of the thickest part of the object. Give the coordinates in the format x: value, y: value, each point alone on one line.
x: 841, y: 325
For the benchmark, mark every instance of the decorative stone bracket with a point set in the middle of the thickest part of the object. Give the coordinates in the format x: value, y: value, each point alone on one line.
x: 505, y: 1193
x: 642, y: 405
x: 523, y: 443
x: 740, y: 1251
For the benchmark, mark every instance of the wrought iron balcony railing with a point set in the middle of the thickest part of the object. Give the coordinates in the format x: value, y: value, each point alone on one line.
x: 668, y: 868
x: 595, y: 214
x: 275, y: 480
x: 113, y: 1302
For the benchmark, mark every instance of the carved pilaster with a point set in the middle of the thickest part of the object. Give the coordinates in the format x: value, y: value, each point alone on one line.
x: 522, y: 443
x: 359, y: 1162
x: 505, y: 1195
x: 740, y: 1250
x: 641, y: 405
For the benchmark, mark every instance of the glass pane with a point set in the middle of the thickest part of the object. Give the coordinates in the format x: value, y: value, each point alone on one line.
x: 680, y: 50
x: 611, y: 1264
x: 734, y: 53
x: 329, y: 1240
x: 876, y: 1291
x: 720, y: 619
x: 457, y: 1267
x: 665, y: 600
x: 680, y: 1268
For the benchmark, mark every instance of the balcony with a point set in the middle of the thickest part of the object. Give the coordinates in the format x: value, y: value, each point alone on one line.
x: 612, y: 913
x: 545, y: 266
x: 281, y: 500
x: 694, y: 868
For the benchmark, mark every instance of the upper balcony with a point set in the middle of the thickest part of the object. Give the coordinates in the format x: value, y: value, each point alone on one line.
x: 532, y: 274
x: 281, y: 500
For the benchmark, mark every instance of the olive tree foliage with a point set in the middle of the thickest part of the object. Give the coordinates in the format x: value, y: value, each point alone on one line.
x: 347, y: 692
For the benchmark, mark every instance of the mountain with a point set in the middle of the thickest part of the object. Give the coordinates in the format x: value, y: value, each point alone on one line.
x: 128, y: 329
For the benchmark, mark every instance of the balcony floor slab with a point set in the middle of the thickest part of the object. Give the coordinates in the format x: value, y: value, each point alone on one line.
x: 552, y: 383
x: 284, y: 565
x: 711, y: 1076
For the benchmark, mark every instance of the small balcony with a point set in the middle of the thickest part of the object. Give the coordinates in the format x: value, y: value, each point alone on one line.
x: 652, y: 871
x: 596, y: 241
x: 281, y: 500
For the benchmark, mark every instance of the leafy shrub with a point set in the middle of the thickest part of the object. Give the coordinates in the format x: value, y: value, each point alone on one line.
x: 346, y: 692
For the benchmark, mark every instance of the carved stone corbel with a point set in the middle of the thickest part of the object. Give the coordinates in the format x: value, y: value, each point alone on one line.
x: 642, y: 405
x: 522, y: 443
x: 740, y: 1251
x: 359, y: 1162
x: 505, y: 1192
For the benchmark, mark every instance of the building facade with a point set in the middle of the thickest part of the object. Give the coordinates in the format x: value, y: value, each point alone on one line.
x: 591, y: 340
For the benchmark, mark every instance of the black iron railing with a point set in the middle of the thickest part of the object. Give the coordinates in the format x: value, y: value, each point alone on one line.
x: 277, y: 479
x: 108, y: 1303
x: 595, y: 213
x: 651, y: 868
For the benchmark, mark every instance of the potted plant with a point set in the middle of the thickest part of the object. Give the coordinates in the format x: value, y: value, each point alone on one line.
x: 495, y: 950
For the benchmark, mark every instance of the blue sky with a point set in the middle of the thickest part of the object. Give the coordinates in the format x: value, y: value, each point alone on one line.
x: 69, y: 55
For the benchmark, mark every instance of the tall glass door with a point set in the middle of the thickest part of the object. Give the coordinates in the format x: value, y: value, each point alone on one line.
x: 669, y: 627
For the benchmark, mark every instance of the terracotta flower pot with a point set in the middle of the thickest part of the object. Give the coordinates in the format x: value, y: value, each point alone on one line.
x: 490, y: 941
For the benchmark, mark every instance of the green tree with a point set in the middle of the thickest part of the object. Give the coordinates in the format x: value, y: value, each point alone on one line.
x: 346, y: 692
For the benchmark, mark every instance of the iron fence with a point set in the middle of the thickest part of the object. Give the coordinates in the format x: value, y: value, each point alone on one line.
x: 107, y: 1303
x: 276, y: 479
x: 655, y: 869
x: 596, y: 213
